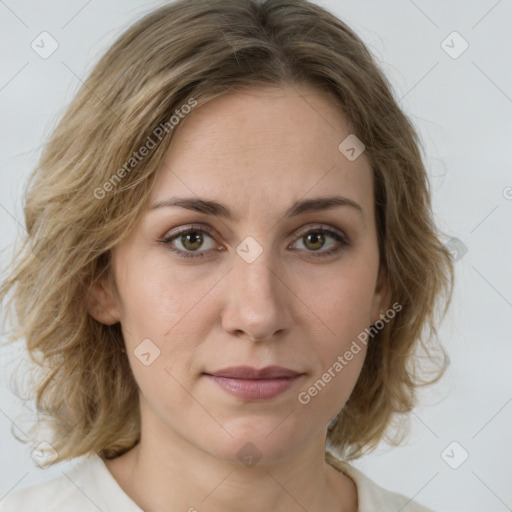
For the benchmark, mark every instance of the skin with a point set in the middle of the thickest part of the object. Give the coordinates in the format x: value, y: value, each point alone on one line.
x: 256, y: 151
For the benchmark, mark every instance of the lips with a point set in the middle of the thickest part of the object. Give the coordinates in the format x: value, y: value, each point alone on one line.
x: 247, y: 372
x: 255, y: 384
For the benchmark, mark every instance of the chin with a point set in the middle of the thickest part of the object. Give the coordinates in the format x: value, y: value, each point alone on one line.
x: 257, y: 442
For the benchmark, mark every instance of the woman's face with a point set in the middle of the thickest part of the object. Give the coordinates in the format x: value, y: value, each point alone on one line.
x: 255, y: 288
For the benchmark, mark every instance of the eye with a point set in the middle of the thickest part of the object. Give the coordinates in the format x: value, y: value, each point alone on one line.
x: 187, y: 242
x: 315, y: 239
x: 191, y: 240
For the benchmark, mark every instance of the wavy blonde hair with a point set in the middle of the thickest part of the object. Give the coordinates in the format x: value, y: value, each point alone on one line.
x: 83, y: 388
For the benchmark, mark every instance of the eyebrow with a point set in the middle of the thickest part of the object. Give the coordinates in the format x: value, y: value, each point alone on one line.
x: 210, y: 207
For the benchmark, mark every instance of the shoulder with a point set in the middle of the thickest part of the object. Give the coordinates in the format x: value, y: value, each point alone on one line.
x: 88, y: 486
x: 371, y: 496
x: 53, y: 495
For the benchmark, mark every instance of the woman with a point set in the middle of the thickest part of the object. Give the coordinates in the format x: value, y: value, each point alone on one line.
x: 230, y: 265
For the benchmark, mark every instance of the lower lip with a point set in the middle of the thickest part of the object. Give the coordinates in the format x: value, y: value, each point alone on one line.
x: 255, y: 389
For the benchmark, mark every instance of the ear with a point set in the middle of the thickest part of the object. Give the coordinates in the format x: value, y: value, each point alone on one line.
x: 381, y: 298
x: 101, y: 303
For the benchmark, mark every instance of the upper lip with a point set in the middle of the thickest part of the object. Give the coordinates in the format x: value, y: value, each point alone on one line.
x: 248, y: 372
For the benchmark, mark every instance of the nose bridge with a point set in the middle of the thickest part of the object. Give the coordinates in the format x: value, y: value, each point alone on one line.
x: 258, y: 302
x: 258, y: 276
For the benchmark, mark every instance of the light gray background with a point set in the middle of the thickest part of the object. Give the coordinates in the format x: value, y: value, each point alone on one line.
x: 463, y: 109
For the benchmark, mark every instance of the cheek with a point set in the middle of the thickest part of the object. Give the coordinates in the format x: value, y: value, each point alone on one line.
x: 158, y: 295
x: 343, y: 304
x: 329, y: 388
x: 168, y: 306
x: 343, y: 299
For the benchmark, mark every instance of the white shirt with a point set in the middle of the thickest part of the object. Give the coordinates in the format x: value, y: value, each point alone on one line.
x: 90, y: 487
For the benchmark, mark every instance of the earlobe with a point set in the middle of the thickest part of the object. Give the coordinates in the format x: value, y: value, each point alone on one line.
x: 101, y: 303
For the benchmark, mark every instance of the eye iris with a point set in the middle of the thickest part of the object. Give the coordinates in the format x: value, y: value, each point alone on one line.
x: 194, y: 237
x: 318, y: 238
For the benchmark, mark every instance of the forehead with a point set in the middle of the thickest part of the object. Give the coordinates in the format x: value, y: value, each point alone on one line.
x: 262, y: 148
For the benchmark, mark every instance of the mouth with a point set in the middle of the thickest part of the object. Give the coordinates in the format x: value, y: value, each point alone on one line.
x: 255, y: 384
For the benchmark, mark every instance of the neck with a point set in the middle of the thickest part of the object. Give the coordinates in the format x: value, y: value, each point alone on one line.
x: 181, y: 476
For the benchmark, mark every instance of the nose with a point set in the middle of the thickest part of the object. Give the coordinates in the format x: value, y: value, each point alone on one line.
x: 258, y: 299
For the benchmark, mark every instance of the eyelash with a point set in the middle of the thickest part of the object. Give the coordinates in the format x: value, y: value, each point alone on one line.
x: 201, y: 254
